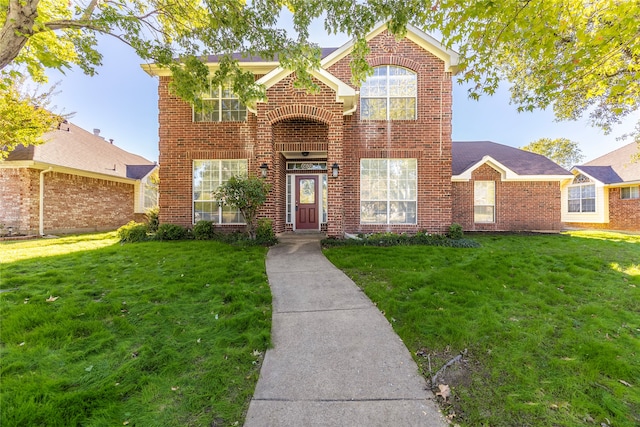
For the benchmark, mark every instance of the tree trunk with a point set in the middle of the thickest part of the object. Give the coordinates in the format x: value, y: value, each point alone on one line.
x: 17, y: 29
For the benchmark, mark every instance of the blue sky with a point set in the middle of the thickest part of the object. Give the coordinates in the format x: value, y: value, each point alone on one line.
x: 122, y: 100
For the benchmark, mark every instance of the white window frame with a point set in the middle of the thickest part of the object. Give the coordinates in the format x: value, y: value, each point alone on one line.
x: 484, y: 196
x: 388, y: 97
x: 633, y: 192
x: 582, y: 187
x: 221, y: 95
x: 367, y: 188
x: 202, y: 193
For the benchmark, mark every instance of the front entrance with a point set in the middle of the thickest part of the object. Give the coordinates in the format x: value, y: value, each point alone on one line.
x: 307, y: 203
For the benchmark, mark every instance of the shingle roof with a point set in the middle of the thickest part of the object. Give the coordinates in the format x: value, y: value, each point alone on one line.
x: 324, y: 51
x: 468, y: 153
x: 622, y: 166
x: 74, y: 147
x: 604, y: 174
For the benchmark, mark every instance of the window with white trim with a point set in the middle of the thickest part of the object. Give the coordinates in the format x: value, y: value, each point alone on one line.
x: 484, y: 201
x: 389, y: 94
x: 582, y: 195
x: 388, y: 191
x: 219, y: 104
x: 630, y: 192
x: 208, y: 175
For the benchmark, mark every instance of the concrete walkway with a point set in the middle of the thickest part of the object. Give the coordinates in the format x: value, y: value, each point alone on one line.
x: 335, y: 360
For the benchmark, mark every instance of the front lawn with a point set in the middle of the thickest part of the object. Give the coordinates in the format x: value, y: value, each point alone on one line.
x: 96, y: 333
x: 550, y: 324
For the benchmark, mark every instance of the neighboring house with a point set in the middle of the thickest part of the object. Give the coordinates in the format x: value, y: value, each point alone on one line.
x: 498, y: 188
x: 346, y: 159
x: 605, y: 192
x: 74, y: 182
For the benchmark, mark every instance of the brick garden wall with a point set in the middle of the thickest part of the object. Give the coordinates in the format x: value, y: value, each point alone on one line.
x: 71, y: 203
x: 520, y: 206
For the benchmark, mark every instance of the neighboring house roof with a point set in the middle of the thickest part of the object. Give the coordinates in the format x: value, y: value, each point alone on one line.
x: 469, y: 155
x: 73, y: 147
x: 618, y: 166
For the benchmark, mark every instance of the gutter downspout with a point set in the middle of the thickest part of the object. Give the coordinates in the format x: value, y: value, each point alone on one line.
x: 41, y: 229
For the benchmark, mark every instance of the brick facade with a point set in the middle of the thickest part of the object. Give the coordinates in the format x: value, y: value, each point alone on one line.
x: 294, y: 121
x: 71, y: 203
x: 519, y: 205
x: 624, y: 214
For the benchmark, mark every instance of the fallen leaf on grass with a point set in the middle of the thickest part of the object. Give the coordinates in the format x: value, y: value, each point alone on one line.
x: 21, y: 344
x: 444, y: 392
x: 175, y: 388
x: 51, y: 298
x: 625, y: 383
x: 125, y: 423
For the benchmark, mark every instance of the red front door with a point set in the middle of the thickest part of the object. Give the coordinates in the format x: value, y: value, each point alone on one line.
x: 307, y: 203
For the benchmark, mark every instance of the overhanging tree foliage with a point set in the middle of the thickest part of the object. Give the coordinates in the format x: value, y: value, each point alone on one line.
x: 575, y: 56
x: 563, y: 151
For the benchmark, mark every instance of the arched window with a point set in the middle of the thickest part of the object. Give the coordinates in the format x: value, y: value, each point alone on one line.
x: 582, y: 195
x: 389, y: 94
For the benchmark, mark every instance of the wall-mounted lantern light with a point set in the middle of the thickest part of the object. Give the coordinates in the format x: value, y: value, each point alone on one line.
x: 335, y: 169
x: 264, y: 168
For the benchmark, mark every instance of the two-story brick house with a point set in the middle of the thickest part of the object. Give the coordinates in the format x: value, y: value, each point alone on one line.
x: 344, y: 160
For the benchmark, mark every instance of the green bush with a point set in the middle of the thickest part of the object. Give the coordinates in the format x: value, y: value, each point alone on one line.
x: 153, y: 220
x: 455, y: 231
x: 171, y: 232
x: 264, y: 232
x: 133, y: 232
x: 203, y: 230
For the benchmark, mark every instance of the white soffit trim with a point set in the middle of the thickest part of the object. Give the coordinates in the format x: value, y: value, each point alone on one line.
x: 507, y: 174
x: 255, y: 67
x: 430, y: 44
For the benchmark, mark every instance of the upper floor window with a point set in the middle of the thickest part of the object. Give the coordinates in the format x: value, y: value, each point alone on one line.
x: 389, y: 94
x: 219, y: 104
x: 582, y: 195
x: 630, y: 193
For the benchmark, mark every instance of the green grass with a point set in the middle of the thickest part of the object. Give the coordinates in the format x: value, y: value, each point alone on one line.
x: 149, y: 334
x: 551, y: 323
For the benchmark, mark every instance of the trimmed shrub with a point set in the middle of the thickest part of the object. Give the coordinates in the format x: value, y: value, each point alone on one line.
x: 203, y: 230
x: 171, y: 232
x: 455, y: 231
x: 264, y: 232
x: 152, y: 216
x: 133, y: 232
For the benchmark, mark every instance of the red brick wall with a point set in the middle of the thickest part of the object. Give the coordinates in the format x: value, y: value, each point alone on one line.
x: 293, y: 120
x: 624, y: 214
x: 71, y: 203
x: 427, y: 139
x: 520, y: 205
x: 19, y: 200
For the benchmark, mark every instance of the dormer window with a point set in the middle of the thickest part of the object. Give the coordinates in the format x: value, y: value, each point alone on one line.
x: 219, y: 104
x: 389, y: 94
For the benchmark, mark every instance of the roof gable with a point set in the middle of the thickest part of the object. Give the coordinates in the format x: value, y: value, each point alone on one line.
x: 623, y: 163
x: 512, y: 163
x: 419, y: 37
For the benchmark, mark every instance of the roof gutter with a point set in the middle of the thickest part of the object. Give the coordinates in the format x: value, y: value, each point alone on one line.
x: 41, y: 228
